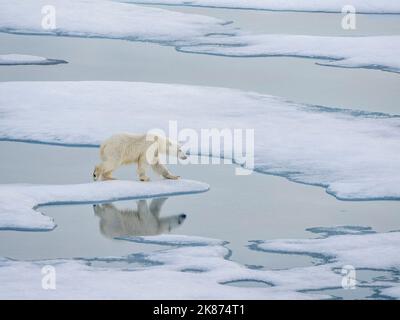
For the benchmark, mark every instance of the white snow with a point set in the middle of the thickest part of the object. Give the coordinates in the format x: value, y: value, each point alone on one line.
x: 107, y: 19
x: 22, y: 59
x: 189, y: 272
x: 175, y: 239
x: 354, y: 154
x: 19, y: 202
x: 393, y: 292
x: 375, y: 52
x: 374, y: 251
x: 199, y: 269
x: 362, y: 6
x: 201, y: 34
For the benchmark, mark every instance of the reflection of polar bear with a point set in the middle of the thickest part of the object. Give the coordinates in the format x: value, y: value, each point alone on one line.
x: 144, y: 221
x: 143, y: 149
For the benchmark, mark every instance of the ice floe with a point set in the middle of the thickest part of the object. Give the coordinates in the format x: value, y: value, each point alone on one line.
x: 188, y: 272
x: 355, y: 155
x: 22, y: 59
x: 19, y: 202
x: 104, y: 19
x: 199, y: 270
x: 369, y: 251
x: 374, y: 52
x: 175, y: 240
x: 374, y: 252
x: 197, y: 33
x: 391, y: 292
x: 361, y: 6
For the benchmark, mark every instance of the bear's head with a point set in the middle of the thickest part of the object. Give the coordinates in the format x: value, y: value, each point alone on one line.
x: 169, y: 147
x: 175, y: 149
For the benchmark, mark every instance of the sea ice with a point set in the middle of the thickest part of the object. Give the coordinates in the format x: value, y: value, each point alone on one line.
x: 373, y: 251
x: 354, y: 154
x: 201, y: 270
x: 175, y: 240
x: 22, y: 59
x: 188, y: 272
x: 19, y: 202
x: 200, y: 34
x: 392, y: 292
x: 361, y: 6
x: 362, y: 252
x: 373, y: 52
x: 104, y: 19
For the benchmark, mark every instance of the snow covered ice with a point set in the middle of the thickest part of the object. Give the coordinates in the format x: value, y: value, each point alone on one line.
x: 202, y: 34
x: 19, y: 202
x: 106, y: 19
x: 362, y: 6
x: 374, y: 52
x: 355, y: 155
x: 374, y: 251
x: 199, y: 270
x: 189, y: 272
x: 175, y: 239
x: 22, y: 59
x: 352, y: 154
x: 365, y: 251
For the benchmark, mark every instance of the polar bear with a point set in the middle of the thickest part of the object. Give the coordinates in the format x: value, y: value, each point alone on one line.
x: 145, y: 221
x: 142, y: 149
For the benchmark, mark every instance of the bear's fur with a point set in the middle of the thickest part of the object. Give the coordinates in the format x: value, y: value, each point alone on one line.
x: 142, y: 149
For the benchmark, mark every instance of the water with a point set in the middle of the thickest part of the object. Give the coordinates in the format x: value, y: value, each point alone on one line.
x: 237, y: 208
x: 263, y: 207
x: 319, y: 24
x: 300, y: 80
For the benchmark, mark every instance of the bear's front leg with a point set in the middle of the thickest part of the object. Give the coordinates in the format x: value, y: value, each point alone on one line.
x: 163, y: 171
x: 107, y: 176
x: 141, y: 170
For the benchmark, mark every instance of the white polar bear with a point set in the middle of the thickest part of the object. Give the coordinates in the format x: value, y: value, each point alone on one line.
x: 143, y: 149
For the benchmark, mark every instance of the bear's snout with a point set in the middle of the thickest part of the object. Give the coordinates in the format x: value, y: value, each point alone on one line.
x: 182, y: 155
x: 181, y: 218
